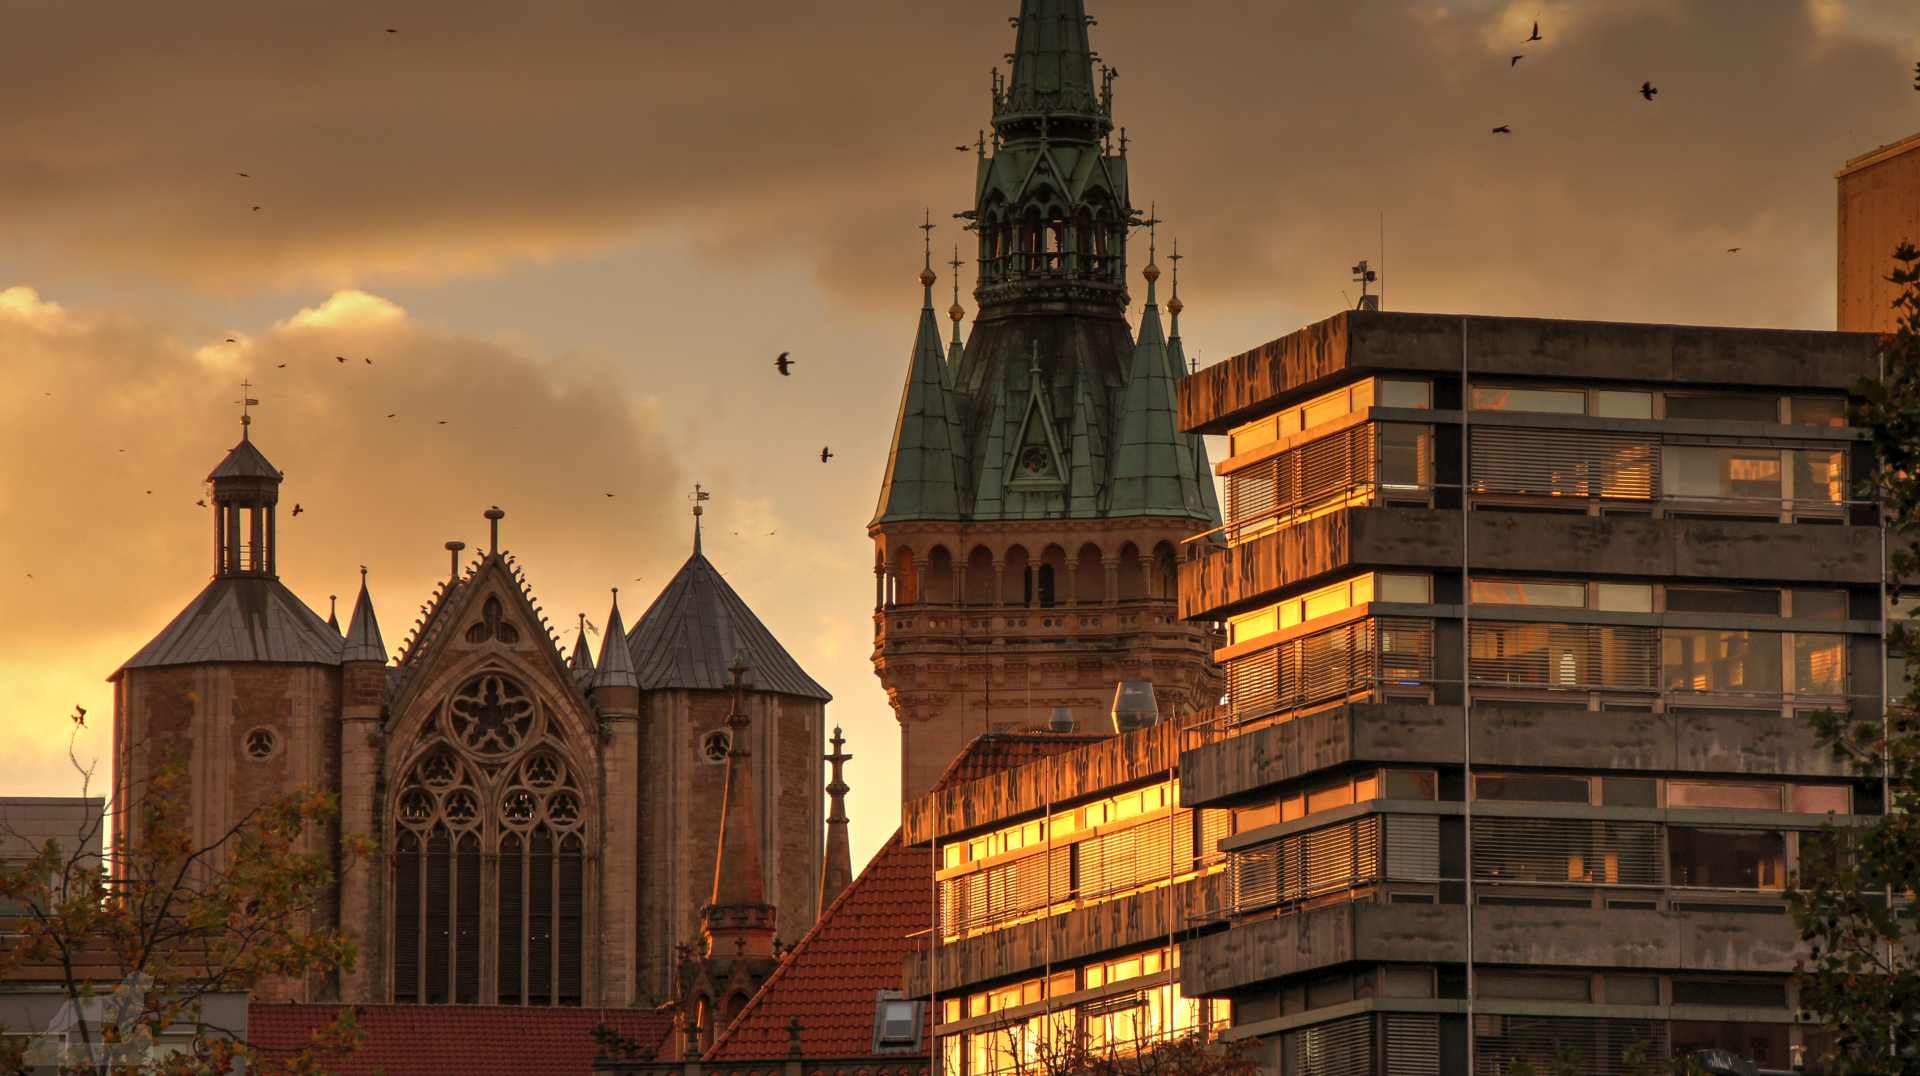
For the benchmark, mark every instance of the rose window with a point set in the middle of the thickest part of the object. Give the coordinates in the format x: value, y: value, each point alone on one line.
x: 491, y: 715
x: 541, y: 790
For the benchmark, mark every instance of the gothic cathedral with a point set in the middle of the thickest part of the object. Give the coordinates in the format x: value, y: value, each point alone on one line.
x: 1039, y: 495
x: 545, y: 823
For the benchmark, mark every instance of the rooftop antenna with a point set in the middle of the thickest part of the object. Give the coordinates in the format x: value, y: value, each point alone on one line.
x: 1364, y: 275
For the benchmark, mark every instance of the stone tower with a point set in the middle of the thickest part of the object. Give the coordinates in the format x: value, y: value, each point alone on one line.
x: 1038, y: 495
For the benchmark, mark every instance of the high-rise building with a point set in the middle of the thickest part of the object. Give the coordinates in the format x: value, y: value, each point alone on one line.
x: 1879, y: 210
x: 1524, y: 622
x: 1038, y: 497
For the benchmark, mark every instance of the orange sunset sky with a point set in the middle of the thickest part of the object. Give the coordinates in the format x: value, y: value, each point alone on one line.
x: 578, y: 232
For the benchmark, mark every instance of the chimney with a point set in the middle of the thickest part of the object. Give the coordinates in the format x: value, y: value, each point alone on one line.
x: 1134, y: 706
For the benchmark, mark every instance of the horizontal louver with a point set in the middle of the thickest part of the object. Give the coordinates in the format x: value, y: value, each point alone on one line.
x: 1329, y: 664
x: 1335, y: 1048
x: 1413, y: 1044
x: 1307, y: 865
x: 1413, y: 847
x: 1566, y: 463
x: 1313, y: 475
x: 1597, y: 1047
x: 1568, y: 850
x: 1564, y: 655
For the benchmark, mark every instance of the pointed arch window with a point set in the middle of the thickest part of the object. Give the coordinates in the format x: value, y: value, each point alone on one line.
x: 489, y: 871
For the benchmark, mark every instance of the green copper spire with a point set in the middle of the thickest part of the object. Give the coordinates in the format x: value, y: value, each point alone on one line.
x: 1154, y: 472
x: 1177, y: 360
x: 1052, y: 89
x: 925, y: 468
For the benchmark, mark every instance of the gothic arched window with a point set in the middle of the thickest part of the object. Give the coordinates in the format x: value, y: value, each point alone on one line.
x: 489, y: 867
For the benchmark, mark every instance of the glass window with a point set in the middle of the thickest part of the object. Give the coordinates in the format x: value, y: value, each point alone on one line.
x: 1253, y: 625
x: 1416, y: 589
x: 1726, y: 407
x: 1325, y: 799
x: 1819, y: 476
x: 1612, y: 403
x: 1765, y: 1045
x: 1753, y: 797
x: 1820, y: 604
x: 1624, y: 597
x: 1509, y: 592
x: 1711, y: 661
x: 1292, y: 807
x: 1531, y: 788
x: 1392, y: 392
x: 1325, y: 602
x: 1251, y: 436
x: 1755, y: 601
x: 1706, y: 471
x: 1819, y: 664
x: 1553, y: 401
x: 1741, y: 992
x: 1820, y: 799
x: 1534, y: 987
x: 1366, y: 787
x: 1250, y: 818
x: 1412, y: 785
x: 1406, y: 982
x: 1405, y: 455
x: 1324, y: 410
x: 1727, y: 858
x: 1629, y: 791
x: 1828, y: 411
x: 1633, y: 990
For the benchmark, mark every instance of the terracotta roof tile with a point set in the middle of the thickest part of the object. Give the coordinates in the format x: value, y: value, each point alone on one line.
x: 472, y: 1040
x: 831, y: 979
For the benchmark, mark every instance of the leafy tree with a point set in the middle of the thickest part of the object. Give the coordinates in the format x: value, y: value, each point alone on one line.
x: 1859, y: 977
x: 139, y: 943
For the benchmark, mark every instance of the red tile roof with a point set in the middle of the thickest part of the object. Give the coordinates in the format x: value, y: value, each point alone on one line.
x: 471, y: 1040
x: 831, y: 979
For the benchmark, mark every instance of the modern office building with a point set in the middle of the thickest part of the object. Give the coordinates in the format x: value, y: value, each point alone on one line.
x: 1879, y: 208
x: 1523, y: 620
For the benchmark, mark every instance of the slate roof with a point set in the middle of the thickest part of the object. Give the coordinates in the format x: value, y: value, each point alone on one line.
x: 242, y: 619
x: 244, y: 461
x: 471, y: 1040
x: 832, y: 977
x: 691, y: 632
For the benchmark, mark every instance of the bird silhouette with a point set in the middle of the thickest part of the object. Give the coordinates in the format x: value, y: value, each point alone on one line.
x: 1648, y: 89
x: 1536, y: 31
x: 609, y: 494
x: 202, y: 502
x: 282, y: 366
x: 785, y: 365
x: 369, y: 362
x: 963, y: 149
x: 339, y: 358
x: 1733, y: 250
x: 391, y: 30
x: 443, y: 422
x: 256, y: 209
x: 826, y: 454
x: 393, y: 414
x: 1503, y: 129
x: 1511, y: 60
x: 149, y: 493
x: 79, y: 715
x: 231, y: 340
x: 243, y: 175
x: 297, y: 509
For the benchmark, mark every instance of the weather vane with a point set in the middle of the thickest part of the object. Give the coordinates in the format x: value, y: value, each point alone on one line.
x: 697, y: 497
x: 246, y: 401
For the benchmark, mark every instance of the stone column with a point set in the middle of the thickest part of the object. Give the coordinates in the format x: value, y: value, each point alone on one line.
x: 1112, y: 565
x: 362, y: 903
x: 620, y: 843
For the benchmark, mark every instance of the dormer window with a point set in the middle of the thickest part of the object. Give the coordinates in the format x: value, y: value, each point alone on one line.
x: 896, y: 1022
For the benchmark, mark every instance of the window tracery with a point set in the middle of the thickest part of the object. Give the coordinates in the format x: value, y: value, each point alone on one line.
x: 489, y: 776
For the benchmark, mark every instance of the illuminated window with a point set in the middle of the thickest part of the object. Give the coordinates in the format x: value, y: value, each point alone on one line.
x: 1550, y: 401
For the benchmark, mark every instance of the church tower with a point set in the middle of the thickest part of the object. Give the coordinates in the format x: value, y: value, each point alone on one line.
x: 1038, y: 495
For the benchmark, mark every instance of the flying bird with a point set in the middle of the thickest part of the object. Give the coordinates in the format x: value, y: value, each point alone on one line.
x: 391, y: 30
x: 609, y: 494
x: 256, y: 209
x: 282, y: 366
x: 1511, y: 60
x: 339, y: 358
x: 785, y: 365
x: 393, y: 414
x: 149, y: 493
x: 1503, y: 129
x: 826, y: 454
x: 369, y: 362
x: 243, y: 175
x: 79, y: 715
x: 963, y: 149
x: 297, y: 509
x: 1648, y: 89
x: 1733, y: 250
x: 202, y: 502
x: 231, y: 340
x: 1536, y: 31
x: 443, y: 422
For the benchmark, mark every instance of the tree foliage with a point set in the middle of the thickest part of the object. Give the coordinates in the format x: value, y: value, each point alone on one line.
x: 139, y: 942
x: 1851, y: 901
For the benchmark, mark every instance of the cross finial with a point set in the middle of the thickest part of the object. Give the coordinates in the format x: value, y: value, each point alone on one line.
x: 698, y: 496
x: 1123, y: 141
x: 926, y: 226
x: 246, y: 401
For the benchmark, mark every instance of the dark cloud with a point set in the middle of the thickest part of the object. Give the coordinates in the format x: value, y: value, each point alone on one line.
x: 1271, y: 134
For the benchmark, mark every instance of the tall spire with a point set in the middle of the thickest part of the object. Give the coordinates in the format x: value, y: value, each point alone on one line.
x: 615, y: 667
x: 1051, y: 90
x: 363, y: 631
x: 924, y: 469
x: 956, y: 312
x: 582, y: 660
x: 837, y: 872
x: 1176, y: 352
x: 738, y: 920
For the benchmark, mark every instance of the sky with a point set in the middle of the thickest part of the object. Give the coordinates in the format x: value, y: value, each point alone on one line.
x: 572, y: 236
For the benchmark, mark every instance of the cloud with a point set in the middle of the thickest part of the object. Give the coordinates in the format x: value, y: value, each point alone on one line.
x: 103, y: 541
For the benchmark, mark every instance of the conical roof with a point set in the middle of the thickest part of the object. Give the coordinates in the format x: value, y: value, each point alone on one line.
x: 244, y: 461
x: 241, y: 619
x: 582, y: 660
x: 615, y: 667
x: 1052, y: 63
x: 1153, y: 466
x: 363, y: 631
x: 925, y: 467
x: 693, y: 630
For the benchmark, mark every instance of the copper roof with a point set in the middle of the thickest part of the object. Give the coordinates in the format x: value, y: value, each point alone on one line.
x: 472, y: 1040
x: 242, y: 619
x: 691, y: 632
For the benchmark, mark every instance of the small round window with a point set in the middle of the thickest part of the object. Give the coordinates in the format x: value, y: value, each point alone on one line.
x: 716, y: 745
x: 261, y: 744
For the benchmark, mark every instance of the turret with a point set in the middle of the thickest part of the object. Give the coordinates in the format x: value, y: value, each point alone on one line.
x: 245, y: 490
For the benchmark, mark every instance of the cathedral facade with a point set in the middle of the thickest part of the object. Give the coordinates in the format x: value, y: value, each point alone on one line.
x: 1039, y: 495
x: 544, y: 824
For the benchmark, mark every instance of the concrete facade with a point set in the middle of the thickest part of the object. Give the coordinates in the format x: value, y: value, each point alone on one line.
x: 1879, y: 209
